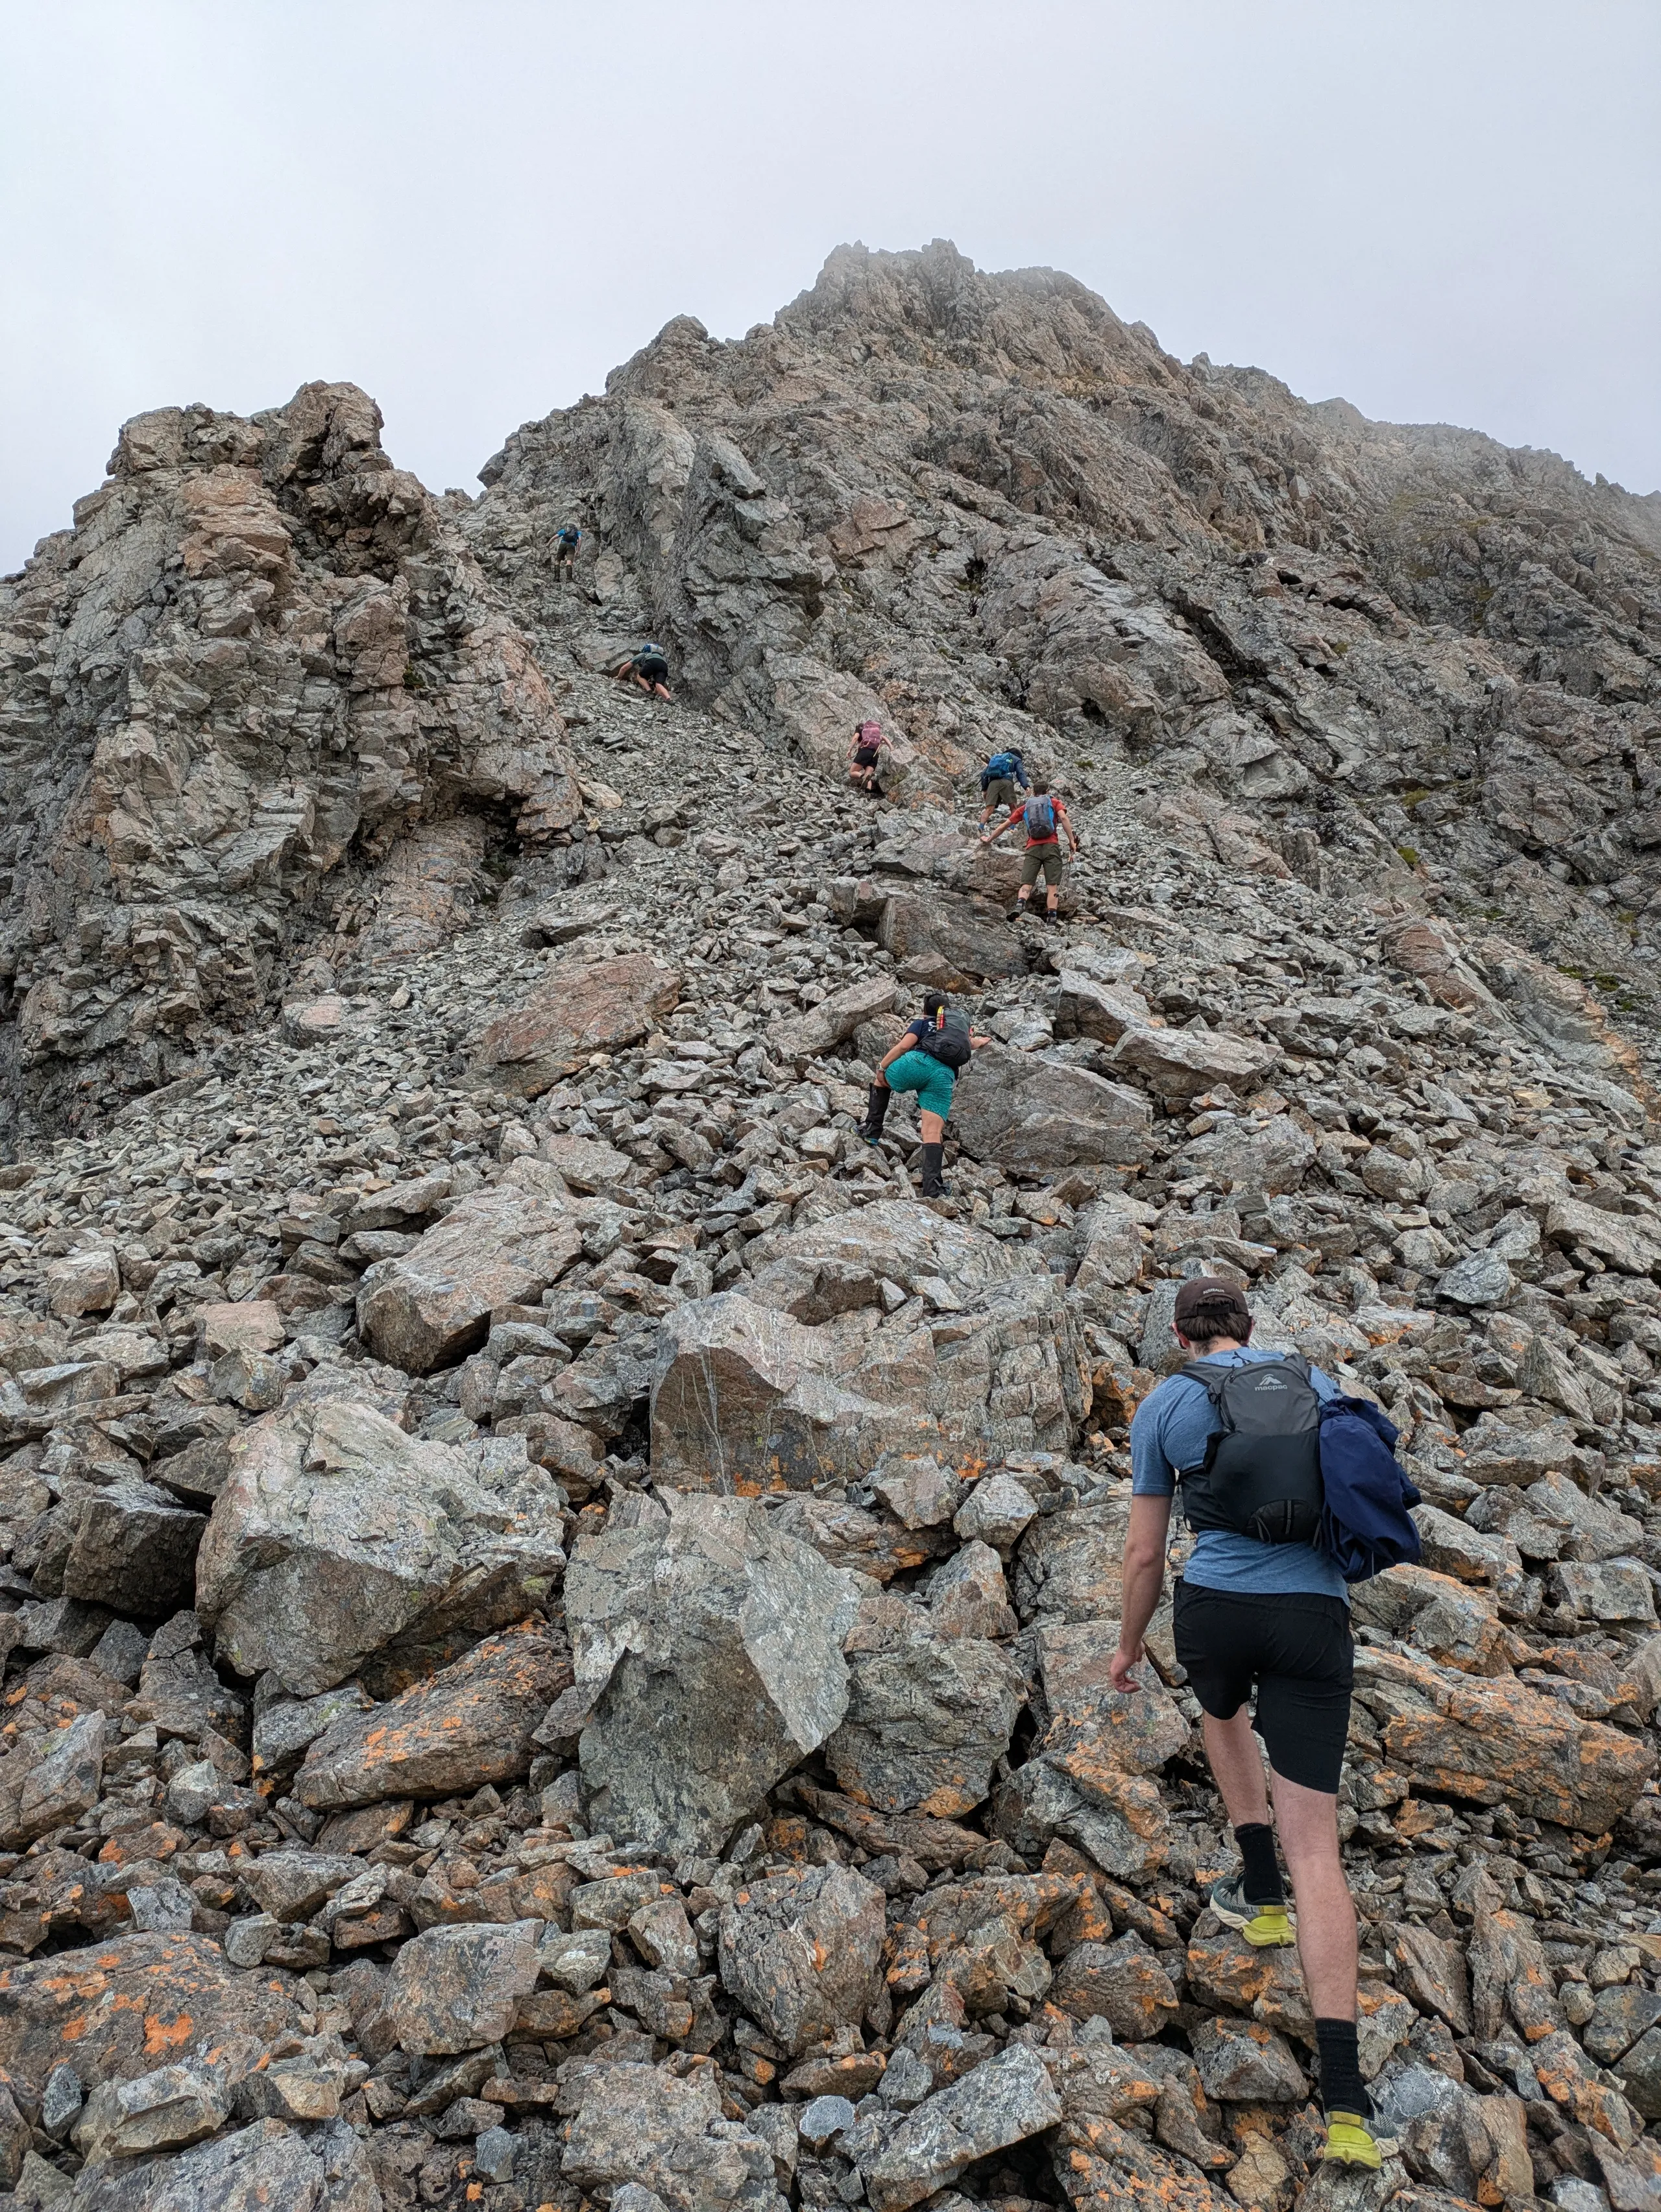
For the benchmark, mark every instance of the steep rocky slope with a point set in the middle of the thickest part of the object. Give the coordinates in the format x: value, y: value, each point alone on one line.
x: 557, y: 1617
x: 984, y: 507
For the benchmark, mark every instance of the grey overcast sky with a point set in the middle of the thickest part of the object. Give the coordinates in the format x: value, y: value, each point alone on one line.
x: 476, y: 208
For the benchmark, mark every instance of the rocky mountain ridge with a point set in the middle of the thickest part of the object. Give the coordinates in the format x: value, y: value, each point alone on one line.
x: 556, y: 1616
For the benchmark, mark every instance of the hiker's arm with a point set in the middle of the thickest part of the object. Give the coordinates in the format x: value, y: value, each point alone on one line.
x: 895, y: 1051
x: 975, y: 1038
x: 1144, y: 1584
x: 998, y: 833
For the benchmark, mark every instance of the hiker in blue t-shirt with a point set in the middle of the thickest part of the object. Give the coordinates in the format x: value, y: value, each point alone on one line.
x: 1003, y: 775
x: 1270, y: 1616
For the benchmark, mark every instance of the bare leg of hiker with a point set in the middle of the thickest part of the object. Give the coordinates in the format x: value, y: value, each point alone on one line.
x: 1307, y: 1820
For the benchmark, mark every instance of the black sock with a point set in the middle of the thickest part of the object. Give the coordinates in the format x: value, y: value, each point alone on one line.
x: 1341, y: 2087
x: 1263, y: 1868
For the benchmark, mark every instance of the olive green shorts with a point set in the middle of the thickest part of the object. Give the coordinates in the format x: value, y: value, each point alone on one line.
x: 1043, y: 860
x: 1000, y: 791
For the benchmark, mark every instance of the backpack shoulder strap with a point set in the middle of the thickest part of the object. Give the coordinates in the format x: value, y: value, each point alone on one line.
x: 1210, y: 1379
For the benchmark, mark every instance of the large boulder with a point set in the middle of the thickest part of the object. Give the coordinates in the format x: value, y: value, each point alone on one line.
x: 708, y: 1655
x: 269, y: 2163
x: 1090, y: 1779
x: 1001, y: 2102
x: 883, y: 1329
x: 802, y: 1953
x: 337, y: 1535
x: 137, y: 1544
x: 641, y: 2137
x: 1491, y: 1741
x: 51, y: 1777
x: 1272, y: 1155
x: 458, y: 1988
x: 468, y: 1724
x: 1069, y: 1565
x: 432, y: 1306
x: 1086, y: 1006
x: 1178, y: 1065
x: 1035, y: 1115
x: 578, y: 1007
x: 939, y: 938
x: 823, y: 1027
x: 928, y: 1718
x: 118, y: 2005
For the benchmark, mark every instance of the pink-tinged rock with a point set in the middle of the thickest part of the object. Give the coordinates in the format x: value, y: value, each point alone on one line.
x: 578, y: 1007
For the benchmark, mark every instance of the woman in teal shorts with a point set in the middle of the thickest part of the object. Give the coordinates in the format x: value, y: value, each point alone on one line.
x: 926, y: 1059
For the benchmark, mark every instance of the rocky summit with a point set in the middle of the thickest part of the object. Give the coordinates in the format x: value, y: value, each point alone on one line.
x: 557, y: 1614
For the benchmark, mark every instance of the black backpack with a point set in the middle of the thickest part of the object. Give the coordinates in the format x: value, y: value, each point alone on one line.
x: 948, y: 1041
x: 1261, y: 1475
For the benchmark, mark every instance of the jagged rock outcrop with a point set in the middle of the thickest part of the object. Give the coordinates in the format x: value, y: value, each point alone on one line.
x: 260, y: 663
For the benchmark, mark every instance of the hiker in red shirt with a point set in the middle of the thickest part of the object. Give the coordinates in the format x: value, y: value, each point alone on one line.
x: 1045, y: 818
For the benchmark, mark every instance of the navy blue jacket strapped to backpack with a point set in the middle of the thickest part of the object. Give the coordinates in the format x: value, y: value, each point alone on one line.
x: 1365, y: 1526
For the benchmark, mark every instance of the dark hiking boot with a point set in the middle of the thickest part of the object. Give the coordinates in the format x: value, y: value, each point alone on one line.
x: 931, y: 1186
x: 876, y: 1113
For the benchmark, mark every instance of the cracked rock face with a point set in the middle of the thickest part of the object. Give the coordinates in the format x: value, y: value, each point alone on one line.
x: 261, y: 653
x: 432, y: 1079
x: 708, y: 1650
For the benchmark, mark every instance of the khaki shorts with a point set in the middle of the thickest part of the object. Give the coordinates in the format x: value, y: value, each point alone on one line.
x: 1043, y: 861
x: 1000, y: 791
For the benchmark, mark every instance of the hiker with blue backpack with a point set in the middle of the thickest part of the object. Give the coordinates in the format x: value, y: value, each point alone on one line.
x: 1294, y: 1492
x: 1043, y: 817
x: 926, y: 1059
x: 1002, y: 776
x: 566, y: 541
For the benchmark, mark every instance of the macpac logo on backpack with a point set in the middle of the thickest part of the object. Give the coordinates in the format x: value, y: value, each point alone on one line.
x: 1289, y: 1467
x: 948, y: 1041
x: 1040, y: 816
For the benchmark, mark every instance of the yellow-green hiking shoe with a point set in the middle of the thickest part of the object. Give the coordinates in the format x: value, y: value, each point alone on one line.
x: 1267, y: 1927
x: 1350, y: 2141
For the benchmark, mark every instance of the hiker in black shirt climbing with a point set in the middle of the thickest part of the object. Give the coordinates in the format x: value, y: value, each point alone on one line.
x: 926, y: 1059
x: 649, y: 668
x: 566, y: 542
x: 865, y: 759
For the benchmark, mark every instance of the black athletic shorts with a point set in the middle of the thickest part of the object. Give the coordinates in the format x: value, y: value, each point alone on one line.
x: 654, y: 670
x: 868, y: 756
x: 1299, y: 1652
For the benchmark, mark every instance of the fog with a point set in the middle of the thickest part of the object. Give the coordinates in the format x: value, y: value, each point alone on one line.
x: 1443, y: 214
